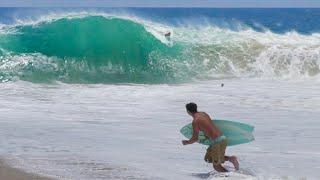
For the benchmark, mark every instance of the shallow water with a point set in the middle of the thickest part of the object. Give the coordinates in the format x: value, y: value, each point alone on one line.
x: 132, y: 131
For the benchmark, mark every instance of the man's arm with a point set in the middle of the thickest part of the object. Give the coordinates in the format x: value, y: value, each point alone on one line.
x: 195, y: 134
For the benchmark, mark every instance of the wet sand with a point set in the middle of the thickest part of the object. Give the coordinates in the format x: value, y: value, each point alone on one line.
x: 10, y: 173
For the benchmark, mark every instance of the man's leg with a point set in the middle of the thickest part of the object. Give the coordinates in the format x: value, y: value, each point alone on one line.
x: 219, y: 168
x: 233, y: 160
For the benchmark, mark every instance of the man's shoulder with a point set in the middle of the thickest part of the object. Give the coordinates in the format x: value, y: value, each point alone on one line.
x: 200, y: 116
x: 204, y: 113
x: 196, y: 120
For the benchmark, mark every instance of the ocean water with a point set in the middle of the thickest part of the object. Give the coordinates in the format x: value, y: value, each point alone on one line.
x: 99, y: 93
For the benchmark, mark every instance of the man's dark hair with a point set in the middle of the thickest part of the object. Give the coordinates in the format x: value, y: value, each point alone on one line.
x: 192, y: 107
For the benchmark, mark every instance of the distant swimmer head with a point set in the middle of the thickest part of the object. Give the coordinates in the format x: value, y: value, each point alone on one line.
x: 191, y: 108
x: 168, y: 34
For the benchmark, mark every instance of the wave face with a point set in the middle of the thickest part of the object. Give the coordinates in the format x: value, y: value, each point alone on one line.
x: 100, y: 49
x: 89, y: 49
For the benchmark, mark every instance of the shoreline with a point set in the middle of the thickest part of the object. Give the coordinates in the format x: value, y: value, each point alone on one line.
x: 10, y: 173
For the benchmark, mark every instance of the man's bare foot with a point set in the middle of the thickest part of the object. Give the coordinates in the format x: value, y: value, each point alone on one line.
x: 235, y: 162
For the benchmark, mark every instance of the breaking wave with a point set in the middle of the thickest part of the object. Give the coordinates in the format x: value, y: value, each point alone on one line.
x: 110, y: 49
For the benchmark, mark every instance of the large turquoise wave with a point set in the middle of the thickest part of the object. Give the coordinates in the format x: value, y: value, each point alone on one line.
x: 110, y: 49
x: 92, y: 49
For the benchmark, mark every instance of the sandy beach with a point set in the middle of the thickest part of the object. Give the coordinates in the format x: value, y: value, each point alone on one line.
x: 10, y: 173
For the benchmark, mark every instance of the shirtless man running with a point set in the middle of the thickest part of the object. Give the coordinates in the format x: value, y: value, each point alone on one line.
x: 216, y: 151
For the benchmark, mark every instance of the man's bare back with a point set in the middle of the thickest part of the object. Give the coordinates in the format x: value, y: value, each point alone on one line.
x: 203, y: 121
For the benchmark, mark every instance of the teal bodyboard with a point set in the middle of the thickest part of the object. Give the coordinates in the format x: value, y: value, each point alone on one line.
x: 236, y: 132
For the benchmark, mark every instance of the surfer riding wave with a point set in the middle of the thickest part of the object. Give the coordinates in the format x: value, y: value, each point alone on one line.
x: 216, y: 151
